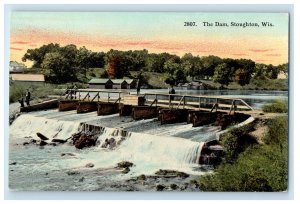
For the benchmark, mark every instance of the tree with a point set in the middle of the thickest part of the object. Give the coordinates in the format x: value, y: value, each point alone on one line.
x: 244, y: 72
x: 117, y: 64
x: 83, y: 60
x: 284, y: 68
x: 37, y: 55
x: 272, y: 71
x: 97, y: 59
x: 192, y: 66
x: 223, y: 74
x: 57, y: 68
x: 209, y: 64
x: 175, y: 73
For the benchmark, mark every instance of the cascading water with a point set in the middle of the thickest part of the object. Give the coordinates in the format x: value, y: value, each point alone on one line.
x: 147, y: 150
x: 28, y: 125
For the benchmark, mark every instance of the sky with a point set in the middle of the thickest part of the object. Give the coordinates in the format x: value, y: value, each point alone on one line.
x: 155, y: 31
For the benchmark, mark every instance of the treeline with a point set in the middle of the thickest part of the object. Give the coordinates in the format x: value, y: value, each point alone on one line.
x: 69, y: 63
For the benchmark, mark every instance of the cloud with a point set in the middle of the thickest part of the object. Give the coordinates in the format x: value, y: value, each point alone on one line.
x: 260, y: 50
x: 20, y: 42
x: 273, y: 55
x: 14, y: 48
x: 239, y: 54
x: 138, y: 43
x: 261, y: 60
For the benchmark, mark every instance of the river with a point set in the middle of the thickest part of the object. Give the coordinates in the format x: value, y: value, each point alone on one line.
x: 148, y: 145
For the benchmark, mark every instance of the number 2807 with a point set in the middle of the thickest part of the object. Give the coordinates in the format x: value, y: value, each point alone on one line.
x: 190, y: 24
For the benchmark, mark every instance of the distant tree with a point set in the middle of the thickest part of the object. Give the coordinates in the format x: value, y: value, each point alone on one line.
x: 83, y: 60
x: 174, y: 72
x: 260, y: 71
x: 57, y: 68
x: 155, y: 62
x: 223, y: 74
x: 209, y: 64
x: 137, y: 59
x: 244, y: 73
x: 37, y: 55
x: 118, y: 64
x: 284, y: 68
x: 97, y: 59
x: 272, y: 71
x: 192, y: 66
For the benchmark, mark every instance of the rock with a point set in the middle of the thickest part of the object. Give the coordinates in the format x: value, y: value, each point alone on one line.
x: 173, y: 186
x: 124, y: 164
x: 141, y: 177
x: 72, y: 172
x: 41, y: 136
x: 112, y: 143
x: 172, y: 173
x: 89, y: 165
x: 84, y: 140
x: 59, y: 141
x: 33, y: 141
x: 52, y: 144
x: 43, y: 143
x: 13, y: 163
x: 46, y: 173
x: 160, y: 187
x: 25, y: 143
x: 125, y: 170
x: 81, y: 179
x: 67, y: 154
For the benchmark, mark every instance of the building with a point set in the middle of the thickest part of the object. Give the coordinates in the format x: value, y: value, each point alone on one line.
x: 100, y: 83
x: 28, y: 78
x: 119, y: 84
x: 198, y: 85
x: 131, y: 83
x: 15, y: 67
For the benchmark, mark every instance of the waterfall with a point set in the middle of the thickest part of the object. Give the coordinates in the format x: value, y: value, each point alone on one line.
x: 148, y: 151
x: 28, y: 125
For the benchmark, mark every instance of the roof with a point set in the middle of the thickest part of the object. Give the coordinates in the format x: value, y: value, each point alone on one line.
x: 98, y: 81
x: 129, y: 81
x: 28, y: 77
x: 118, y: 81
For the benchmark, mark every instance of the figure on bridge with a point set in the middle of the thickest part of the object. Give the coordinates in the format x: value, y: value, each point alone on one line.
x: 138, y: 87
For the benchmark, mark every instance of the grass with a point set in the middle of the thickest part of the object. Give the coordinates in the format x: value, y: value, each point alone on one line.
x: 259, y: 168
x: 276, y: 106
x: 38, y: 91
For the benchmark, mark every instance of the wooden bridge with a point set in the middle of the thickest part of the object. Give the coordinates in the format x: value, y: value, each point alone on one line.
x: 168, y: 108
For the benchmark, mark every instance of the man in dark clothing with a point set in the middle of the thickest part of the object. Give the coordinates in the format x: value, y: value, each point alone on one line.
x: 172, y: 91
x: 21, y: 101
x: 138, y: 87
x: 27, y: 98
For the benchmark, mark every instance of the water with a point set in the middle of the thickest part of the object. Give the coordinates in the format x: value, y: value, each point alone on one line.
x: 149, y: 149
x: 148, y: 145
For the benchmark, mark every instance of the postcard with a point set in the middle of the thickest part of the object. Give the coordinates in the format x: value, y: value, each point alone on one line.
x: 148, y: 101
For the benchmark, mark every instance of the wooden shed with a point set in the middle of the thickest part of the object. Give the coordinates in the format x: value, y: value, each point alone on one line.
x: 96, y: 83
x: 131, y: 83
x: 119, y: 84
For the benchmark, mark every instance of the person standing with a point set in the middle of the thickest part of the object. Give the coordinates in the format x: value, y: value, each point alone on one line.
x: 138, y: 87
x: 172, y: 91
x: 21, y: 101
x: 27, y: 97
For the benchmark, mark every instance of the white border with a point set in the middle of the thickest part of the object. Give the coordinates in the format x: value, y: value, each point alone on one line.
x: 91, y: 195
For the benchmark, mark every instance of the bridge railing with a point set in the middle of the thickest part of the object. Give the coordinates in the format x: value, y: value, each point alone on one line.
x: 94, y: 95
x: 196, y: 102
